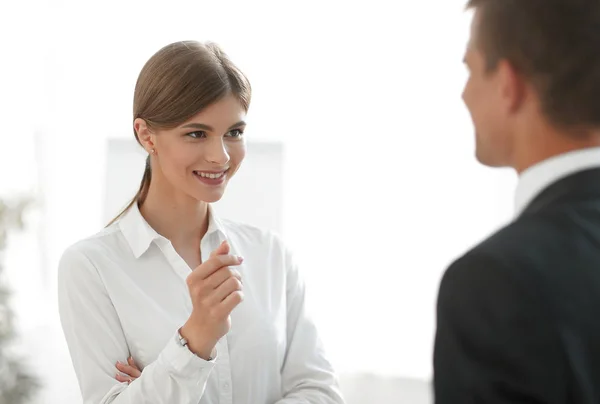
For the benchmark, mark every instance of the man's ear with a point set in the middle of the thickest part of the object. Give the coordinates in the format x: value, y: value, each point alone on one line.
x: 512, y: 85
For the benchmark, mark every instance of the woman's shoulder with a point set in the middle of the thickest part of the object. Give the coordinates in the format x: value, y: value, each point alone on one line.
x: 251, y: 234
x: 101, y: 244
x: 261, y: 247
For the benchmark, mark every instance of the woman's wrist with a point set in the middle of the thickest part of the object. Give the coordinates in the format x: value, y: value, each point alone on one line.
x: 195, y: 342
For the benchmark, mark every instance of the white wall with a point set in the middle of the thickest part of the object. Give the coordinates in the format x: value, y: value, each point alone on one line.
x: 380, y: 188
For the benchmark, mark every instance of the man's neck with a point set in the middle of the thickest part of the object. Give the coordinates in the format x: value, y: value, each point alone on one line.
x: 544, y: 143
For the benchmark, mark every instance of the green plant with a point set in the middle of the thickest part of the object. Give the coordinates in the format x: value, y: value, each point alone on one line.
x: 17, y: 385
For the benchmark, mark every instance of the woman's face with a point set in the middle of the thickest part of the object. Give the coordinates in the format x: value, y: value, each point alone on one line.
x: 199, y: 157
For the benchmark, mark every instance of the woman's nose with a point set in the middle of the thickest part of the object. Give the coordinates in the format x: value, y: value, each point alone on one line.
x: 216, y: 152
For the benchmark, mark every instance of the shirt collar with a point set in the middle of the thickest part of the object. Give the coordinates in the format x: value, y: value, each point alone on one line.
x: 535, y: 179
x: 215, y: 225
x: 140, y: 235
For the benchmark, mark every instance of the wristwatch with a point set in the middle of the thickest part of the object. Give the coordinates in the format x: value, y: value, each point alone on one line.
x: 184, y: 343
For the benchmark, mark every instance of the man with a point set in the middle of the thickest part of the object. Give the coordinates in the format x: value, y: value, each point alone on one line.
x: 519, y: 315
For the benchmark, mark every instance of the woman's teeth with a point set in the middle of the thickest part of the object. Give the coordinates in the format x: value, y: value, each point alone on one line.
x: 210, y: 175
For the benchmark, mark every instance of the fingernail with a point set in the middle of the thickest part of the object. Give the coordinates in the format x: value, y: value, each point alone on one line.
x: 240, y: 259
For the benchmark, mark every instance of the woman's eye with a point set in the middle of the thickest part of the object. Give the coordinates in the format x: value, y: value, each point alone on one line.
x: 236, y: 133
x: 197, y: 134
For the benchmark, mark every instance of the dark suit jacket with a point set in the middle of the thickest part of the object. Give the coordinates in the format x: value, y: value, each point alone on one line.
x: 518, y: 316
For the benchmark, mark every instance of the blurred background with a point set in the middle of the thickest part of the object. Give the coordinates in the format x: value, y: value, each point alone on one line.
x: 360, y: 154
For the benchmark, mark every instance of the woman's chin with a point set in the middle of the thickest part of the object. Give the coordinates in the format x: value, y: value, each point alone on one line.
x: 210, y: 197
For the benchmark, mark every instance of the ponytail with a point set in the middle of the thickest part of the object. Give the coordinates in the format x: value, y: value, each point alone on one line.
x: 142, y: 193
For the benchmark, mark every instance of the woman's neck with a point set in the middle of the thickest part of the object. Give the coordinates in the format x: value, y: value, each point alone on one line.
x: 180, y: 218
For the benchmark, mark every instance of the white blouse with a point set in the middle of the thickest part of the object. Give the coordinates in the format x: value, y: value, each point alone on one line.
x: 122, y: 292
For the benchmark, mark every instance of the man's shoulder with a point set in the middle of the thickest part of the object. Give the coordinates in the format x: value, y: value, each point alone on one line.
x: 526, y: 235
x: 499, y: 267
x: 509, y: 248
x: 528, y: 249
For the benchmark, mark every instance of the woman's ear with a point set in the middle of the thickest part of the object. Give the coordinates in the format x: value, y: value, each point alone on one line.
x: 144, y: 135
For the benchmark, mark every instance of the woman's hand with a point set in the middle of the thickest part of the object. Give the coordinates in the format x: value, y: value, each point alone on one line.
x: 215, y: 289
x: 130, y: 370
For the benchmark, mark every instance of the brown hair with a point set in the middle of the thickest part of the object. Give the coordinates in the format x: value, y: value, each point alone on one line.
x: 554, y: 44
x: 178, y: 82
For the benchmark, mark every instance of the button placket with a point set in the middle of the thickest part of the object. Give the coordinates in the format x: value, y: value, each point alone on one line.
x: 178, y: 264
x: 224, y: 371
x: 222, y: 366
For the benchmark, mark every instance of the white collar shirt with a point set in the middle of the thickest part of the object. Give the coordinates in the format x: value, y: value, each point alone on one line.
x: 123, y: 292
x: 535, y: 179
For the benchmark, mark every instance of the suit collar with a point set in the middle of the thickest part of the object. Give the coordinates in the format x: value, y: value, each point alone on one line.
x: 580, y: 186
x: 540, y: 176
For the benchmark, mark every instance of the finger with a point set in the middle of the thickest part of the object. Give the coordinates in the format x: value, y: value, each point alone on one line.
x: 225, y: 289
x: 221, y: 275
x: 124, y: 379
x: 213, y: 264
x: 128, y: 370
x: 231, y: 302
x: 223, y: 249
x: 132, y: 363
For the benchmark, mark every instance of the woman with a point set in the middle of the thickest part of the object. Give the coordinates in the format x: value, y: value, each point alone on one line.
x: 165, y: 283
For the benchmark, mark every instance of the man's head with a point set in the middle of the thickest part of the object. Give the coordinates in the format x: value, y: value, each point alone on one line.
x: 534, y: 65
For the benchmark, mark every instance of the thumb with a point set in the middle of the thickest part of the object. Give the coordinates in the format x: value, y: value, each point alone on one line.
x: 223, y: 249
